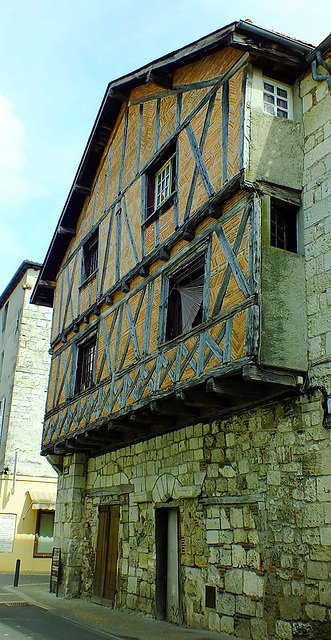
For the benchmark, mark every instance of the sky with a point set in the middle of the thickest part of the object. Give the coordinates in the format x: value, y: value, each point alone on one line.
x: 57, y: 57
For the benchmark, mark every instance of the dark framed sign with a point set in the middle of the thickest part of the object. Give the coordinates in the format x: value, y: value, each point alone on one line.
x: 55, y: 570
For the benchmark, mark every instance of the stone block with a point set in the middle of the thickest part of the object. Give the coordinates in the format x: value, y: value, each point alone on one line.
x: 324, y: 486
x: 318, y: 570
x: 234, y: 581
x: 253, y: 584
x: 226, y: 604
x: 325, y: 535
x: 325, y: 593
x: 212, y: 536
x: 315, y: 612
x: 227, y: 624
x: 284, y: 630
x: 238, y: 556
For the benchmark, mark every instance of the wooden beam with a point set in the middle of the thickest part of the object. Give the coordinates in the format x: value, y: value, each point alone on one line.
x: 144, y: 271
x: 65, y: 231
x: 159, y: 78
x: 115, y: 94
x: 257, y: 374
x: 48, y: 284
x: 188, y: 233
x: 171, y: 408
x: 234, y: 387
x: 84, y: 190
x: 193, y: 398
x: 215, y: 211
x: 164, y: 254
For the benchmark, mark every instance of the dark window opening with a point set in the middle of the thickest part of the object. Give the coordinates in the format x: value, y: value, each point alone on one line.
x: 4, y: 315
x: 210, y: 597
x: 185, y: 299
x: 43, y: 539
x: 283, y: 226
x: 85, y: 365
x: 161, y: 183
x: 90, y: 255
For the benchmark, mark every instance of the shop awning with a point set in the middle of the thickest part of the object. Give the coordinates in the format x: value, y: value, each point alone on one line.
x: 43, y: 499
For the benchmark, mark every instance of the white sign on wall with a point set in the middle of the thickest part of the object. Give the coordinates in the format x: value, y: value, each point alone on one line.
x: 7, y: 532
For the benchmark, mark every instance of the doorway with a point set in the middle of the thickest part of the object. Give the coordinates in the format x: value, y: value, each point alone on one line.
x: 105, y: 573
x: 168, y: 603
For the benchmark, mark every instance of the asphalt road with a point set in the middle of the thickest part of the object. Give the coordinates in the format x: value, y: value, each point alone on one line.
x: 26, y: 622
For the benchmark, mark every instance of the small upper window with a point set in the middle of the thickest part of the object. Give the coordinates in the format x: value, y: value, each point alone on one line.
x: 163, y: 180
x: 283, y: 226
x: 4, y: 316
x: 85, y: 365
x: 277, y: 99
x: 90, y: 255
x: 161, y: 184
x: 185, y: 299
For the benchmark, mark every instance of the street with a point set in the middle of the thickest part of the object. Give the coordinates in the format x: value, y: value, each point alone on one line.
x: 25, y: 621
x: 20, y: 620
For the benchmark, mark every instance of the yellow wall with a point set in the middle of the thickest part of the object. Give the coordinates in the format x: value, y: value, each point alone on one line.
x: 19, y: 503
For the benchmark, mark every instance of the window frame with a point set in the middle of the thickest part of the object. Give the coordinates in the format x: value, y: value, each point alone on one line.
x: 283, y: 222
x: 41, y: 512
x: 289, y: 98
x: 152, y: 209
x: 193, y: 265
x: 4, y: 316
x: 89, y: 257
x: 81, y: 385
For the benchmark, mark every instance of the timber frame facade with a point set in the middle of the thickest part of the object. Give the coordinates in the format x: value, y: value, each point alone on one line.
x: 187, y: 185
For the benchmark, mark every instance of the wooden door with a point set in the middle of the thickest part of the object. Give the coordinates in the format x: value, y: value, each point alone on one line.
x: 104, y: 586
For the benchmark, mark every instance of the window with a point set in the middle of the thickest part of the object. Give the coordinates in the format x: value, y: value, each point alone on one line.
x: 2, y: 414
x: 90, y: 255
x: 85, y: 365
x: 161, y: 184
x: 283, y: 226
x: 4, y: 316
x: 43, y: 539
x: 185, y: 299
x: 277, y: 99
x: 2, y: 357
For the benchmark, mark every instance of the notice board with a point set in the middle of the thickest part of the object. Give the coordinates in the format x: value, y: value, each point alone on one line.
x: 7, y: 532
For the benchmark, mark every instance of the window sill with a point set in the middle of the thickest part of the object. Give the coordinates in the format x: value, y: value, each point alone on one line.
x: 159, y: 211
x: 89, y: 279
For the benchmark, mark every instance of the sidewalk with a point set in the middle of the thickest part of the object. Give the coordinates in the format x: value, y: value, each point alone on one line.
x: 124, y: 626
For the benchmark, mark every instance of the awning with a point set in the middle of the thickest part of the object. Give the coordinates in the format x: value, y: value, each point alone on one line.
x: 43, y: 499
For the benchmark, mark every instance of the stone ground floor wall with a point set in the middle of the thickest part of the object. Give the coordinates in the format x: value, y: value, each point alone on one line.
x: 254, y: 498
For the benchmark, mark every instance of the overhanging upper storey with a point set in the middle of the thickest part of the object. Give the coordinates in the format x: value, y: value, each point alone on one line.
x: 282, y: 56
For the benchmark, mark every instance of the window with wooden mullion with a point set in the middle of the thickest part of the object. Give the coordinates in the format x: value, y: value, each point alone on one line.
x: 91, y: 256
x: 276, y: 99
x: 85, y: 370
x: 160, y: 184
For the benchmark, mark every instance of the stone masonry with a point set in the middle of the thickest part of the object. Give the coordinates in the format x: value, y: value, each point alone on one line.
x: 255, y: 513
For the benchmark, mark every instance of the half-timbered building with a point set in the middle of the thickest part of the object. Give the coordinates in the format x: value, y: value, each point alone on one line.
x: 178, y: 397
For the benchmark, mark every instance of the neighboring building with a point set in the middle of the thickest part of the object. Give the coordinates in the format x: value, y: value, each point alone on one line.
x: 188, y: 404
x: 27, y: 480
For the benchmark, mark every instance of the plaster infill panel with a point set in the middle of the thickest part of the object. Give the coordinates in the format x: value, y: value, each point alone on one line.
x: 276, y: 151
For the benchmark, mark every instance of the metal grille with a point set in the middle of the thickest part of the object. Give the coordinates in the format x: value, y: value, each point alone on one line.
x: 86, y: 365
x: 91, y: 256
x: 283, y: 229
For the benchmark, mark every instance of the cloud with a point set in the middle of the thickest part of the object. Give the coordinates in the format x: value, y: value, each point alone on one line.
x: 15, y: 185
